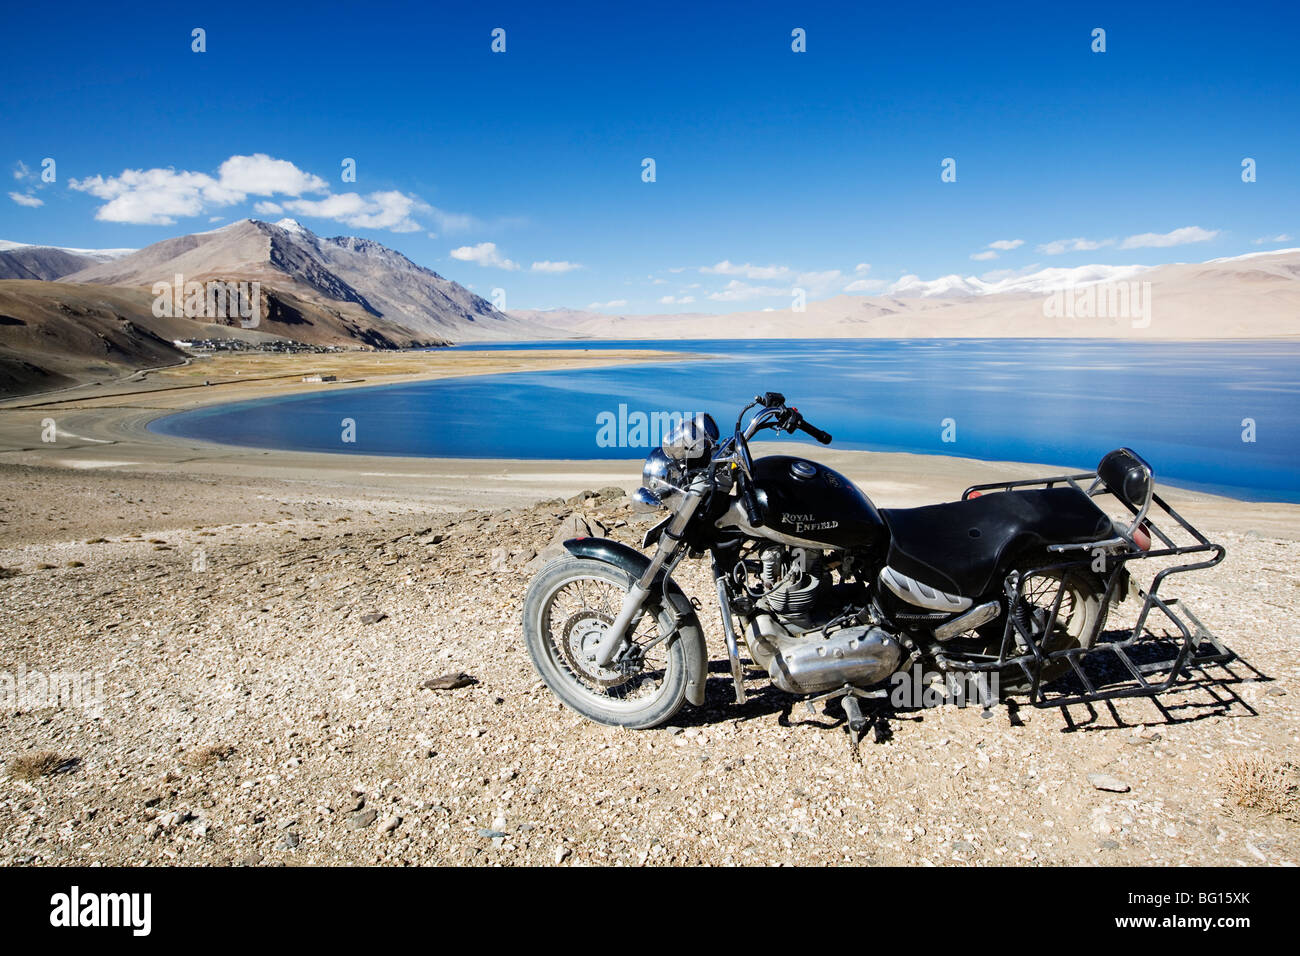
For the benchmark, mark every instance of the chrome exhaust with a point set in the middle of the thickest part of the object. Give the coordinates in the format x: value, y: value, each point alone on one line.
x: 968, y: 621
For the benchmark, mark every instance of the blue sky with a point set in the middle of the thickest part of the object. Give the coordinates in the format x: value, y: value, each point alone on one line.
x: 773, y: 168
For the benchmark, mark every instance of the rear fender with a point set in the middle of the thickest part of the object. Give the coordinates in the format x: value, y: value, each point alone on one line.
x: 688, y: 624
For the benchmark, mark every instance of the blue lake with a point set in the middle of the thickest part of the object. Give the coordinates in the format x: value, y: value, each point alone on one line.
x: 1181, y: 405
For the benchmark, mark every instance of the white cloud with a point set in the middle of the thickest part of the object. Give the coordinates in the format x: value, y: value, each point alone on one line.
x: 1178, y: 237
x: 728, y: 268
x: 862, y: 268
x: 1006, y: 245
x: 984, y: 256
x: 611, y: 304
x: 866, y: 285
x: 160, y: 196
x: 484, y: 254
x: 389, y: 210
x: 154, y: 197
x: 22, y: 171
x: 737, y: 291
x: 31, y: 202
x: 1058, y: 246
x: 559, y: 267
x: 674, y: 300
x: 1280, y: 237
x: 261, y: 175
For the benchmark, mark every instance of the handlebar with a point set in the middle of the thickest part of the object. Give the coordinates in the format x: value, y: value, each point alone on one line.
x: 815, y: 432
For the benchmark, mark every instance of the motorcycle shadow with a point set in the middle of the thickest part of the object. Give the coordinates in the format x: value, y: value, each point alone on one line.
x: 764, y: 700
x: 1206, y: 690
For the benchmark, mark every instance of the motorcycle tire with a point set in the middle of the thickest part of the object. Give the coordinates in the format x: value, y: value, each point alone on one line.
x: 557, y: 637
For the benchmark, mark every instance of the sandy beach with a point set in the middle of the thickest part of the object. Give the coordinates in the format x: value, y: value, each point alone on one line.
x: 262, y: 623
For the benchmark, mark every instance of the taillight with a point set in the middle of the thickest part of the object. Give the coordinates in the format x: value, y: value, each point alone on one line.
x: 1142, y: 537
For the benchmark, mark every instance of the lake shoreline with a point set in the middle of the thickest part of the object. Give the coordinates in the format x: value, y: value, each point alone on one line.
x: 107, y: 428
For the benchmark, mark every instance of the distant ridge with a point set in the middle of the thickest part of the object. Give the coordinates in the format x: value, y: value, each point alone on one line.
x: 358, y: 277
x: 18, y: 260
x: 1256, y: 295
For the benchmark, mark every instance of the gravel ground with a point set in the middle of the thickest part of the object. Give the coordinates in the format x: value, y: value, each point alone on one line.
x: 255, y: 711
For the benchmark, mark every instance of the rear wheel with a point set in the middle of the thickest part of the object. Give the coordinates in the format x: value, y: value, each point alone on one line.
x: 1079, y: 619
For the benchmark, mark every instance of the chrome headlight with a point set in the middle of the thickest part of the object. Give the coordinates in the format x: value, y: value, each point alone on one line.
x: 663, y: 478
x: 693, y: 439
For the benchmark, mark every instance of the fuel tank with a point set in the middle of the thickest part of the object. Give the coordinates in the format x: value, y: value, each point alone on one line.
x: 810, y: 502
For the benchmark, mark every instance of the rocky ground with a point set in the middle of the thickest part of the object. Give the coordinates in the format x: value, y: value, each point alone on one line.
x: 262, y: 648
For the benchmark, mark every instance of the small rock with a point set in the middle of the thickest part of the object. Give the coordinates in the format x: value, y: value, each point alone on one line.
x: 561, y: 854
x: 449, y: 681
x: 1104, y: 781
x: 373, y: 617
x: 491, y: 834
x: 390, y: 824
x: 363, y: 819
x: 289, y: 841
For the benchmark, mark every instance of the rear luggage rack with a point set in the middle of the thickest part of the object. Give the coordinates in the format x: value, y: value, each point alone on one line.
x: 1147, y: 663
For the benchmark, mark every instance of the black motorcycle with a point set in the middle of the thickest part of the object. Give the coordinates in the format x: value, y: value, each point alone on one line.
x: 833, y: 597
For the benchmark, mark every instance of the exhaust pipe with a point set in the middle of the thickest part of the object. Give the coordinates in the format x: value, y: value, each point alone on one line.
x: 968, y: 621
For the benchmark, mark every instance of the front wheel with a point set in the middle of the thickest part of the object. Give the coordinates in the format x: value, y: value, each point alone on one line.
x: 567, y: 610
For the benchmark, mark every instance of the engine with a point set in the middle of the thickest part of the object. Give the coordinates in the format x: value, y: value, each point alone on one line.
x: 811, y: 633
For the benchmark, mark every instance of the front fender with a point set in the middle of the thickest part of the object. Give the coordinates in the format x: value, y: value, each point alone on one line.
x: 688, y: 628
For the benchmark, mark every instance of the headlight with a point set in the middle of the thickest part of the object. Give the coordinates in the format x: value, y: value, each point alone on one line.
x: 693, y: 439
x: 663, y: 477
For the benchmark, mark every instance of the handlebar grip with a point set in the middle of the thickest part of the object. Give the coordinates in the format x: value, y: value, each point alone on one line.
x: 750, y: 503
x: 815, y: 432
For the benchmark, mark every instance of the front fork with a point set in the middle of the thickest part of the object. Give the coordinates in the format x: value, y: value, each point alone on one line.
x: 733, y: 648
x: 669, y: 544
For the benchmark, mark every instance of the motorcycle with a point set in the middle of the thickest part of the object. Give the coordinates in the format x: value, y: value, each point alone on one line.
x: 834, y: 598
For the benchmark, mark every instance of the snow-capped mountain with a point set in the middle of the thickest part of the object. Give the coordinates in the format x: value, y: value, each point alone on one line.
x: 1033, y: 283
x: 21, y: 260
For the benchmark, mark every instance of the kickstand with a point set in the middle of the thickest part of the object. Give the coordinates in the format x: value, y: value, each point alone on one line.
x: 857, y: 722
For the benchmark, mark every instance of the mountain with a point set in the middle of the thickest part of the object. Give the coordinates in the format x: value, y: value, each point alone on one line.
x: 1250, y: 296
x: 53, y: 335
x: 363, y: 280
x: 18, y: 260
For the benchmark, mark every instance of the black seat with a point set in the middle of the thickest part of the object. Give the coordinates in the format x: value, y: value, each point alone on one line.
x: 963, y: 546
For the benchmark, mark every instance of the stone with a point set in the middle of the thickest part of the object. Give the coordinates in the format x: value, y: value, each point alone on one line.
x: 363, y: 819
x: 1104, y: 781
x: 450, y: 681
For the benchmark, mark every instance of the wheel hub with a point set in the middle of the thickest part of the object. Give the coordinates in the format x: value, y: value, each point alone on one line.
x: 580, y: 637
